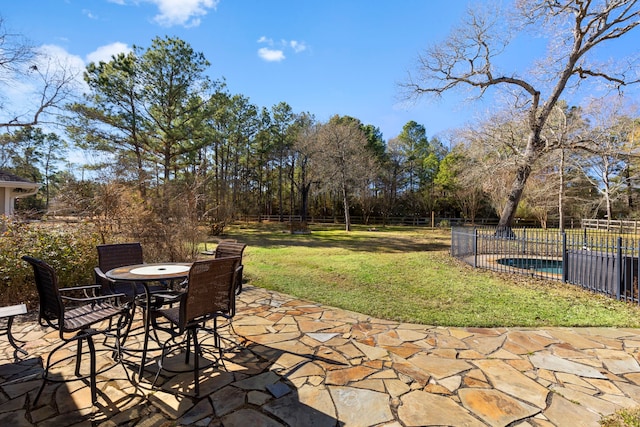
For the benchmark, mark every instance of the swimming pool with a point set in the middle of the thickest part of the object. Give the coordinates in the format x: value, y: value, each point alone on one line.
x: 544, y: 265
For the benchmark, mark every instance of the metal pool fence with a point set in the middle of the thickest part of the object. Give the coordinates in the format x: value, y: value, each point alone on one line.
x: 599, y: 261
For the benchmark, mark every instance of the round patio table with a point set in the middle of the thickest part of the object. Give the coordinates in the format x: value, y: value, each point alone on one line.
x: 144, y: 274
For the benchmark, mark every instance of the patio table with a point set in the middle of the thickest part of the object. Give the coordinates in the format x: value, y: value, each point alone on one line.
x: 146, y: 273
x: 11, y: 312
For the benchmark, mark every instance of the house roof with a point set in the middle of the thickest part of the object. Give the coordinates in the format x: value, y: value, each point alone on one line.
x: 10, y: 180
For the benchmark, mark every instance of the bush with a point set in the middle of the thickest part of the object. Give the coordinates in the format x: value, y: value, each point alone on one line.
x: 444, y: 223
x: 167, y: 229
x: 69, y: 249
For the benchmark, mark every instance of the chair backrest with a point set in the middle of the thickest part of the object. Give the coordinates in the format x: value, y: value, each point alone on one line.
x: 230, y: 248
x: 51, y: 307
x: 113, y: 256
x: 211, y: 290
x: 119, y: 254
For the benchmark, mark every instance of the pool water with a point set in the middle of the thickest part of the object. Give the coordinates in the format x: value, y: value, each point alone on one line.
x: 543, y: 265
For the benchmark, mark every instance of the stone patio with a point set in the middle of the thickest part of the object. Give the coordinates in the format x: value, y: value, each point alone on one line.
x: 296, y: 363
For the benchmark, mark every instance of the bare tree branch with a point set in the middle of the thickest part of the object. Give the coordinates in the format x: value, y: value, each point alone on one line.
x: 55, y: 84
x: 15, y: 52
x: 44, y: 82
x: 467, y: 59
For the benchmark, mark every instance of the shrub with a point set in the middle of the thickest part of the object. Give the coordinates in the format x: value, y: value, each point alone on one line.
x: 167, y: 227
x: 69, y: 249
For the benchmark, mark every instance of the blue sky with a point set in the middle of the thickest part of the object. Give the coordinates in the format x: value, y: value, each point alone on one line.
x: 324, y: 57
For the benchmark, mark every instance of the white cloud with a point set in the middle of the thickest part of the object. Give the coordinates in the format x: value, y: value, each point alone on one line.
x: 182, y: 12
x: 89, y: 14
x: 297, y: 46
x: 271, y: 55
x: 50, y: 54
x: 274, y: 55
x: 104, y: 53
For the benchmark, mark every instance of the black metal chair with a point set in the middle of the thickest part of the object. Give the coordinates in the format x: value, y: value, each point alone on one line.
x: 210, y: 294
x: 115, y: 255
x: 77, y: 318
x: 231, y: 248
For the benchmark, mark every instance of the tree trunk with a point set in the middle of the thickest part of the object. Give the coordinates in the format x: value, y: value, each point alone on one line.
x: 345, y: 201
x: 280, y: 180
x: 561, y: 192
x: 531, y: 155
x: 515, y: 194
x: 304, y: 195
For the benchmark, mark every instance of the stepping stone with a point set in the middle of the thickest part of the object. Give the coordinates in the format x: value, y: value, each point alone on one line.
x: 321, y: 337
x: 560, y: 410
x: 372, y: 353
x: 495, y: 407
x: 554, y: 363
x: 361, y: 407
x: 420, y: 408
x: 507, y: 379
x: 439, y: 367
x: 278, y: 389
x: 295, y: 412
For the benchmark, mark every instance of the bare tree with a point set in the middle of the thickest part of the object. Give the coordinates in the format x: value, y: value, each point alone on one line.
x: 541, y: 197
x: 47, y: 81
x: 343, y: 158
x: 606, y: 166
x: 305, y: 148
x: 468, y: 58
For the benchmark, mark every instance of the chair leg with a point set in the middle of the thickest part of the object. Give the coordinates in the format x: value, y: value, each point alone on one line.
x: 78, y: 356
x: 161, y: 362
x: 196, y: 362
x: 188, y: 349
x: 217, y: 340
x: 104, y: 341
x: 45, y: 373
x: 124, y: 322
x: 216, y: 337
x: 126, y: 319
x: 92, y: 354
x: 129, y: 315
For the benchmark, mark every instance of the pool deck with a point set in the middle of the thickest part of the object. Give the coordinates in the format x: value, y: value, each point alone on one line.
x: 290, y: 362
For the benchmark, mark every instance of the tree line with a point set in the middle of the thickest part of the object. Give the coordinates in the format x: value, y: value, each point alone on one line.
x: 175, y: 148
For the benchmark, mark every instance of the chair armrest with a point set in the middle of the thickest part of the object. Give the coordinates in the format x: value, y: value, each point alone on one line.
x: 237, y: 279
x: 99, y: 273
x: 91, y: 299
x: 79, y: 288
x: 169, y: 296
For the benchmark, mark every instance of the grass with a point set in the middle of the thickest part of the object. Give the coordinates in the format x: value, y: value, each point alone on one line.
x: 622, y: 418
x: 406, y: 274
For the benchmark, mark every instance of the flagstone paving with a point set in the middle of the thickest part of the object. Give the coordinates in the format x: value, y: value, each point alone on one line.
x: 290, y: 362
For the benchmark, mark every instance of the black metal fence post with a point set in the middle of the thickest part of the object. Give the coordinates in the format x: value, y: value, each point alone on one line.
x: 635, y: 291
x: 565, y: 262
x: 618, y: 280
x: 475, y: 248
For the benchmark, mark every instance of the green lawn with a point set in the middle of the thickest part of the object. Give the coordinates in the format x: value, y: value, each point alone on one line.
x: 406, y: 274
